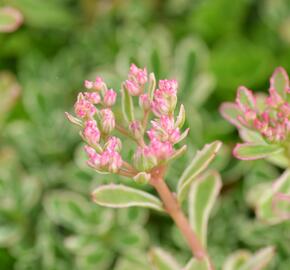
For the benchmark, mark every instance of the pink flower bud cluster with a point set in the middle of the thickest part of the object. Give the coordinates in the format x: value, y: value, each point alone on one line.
x: 97, y: 123
x: 271, y: 116
x: 137, y: 79
x: 165, y: 98
x: 108, y: 160
x: 163, y: 133
x: 155, y: 145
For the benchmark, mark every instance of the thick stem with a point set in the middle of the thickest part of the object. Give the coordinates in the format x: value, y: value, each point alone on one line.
x: 173, y: 209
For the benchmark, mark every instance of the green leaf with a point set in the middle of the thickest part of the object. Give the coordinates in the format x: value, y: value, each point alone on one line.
x: 162, y: 260
x: 264, y: 206
x: 252, y: 151
x: 260, y: 259
x: 119, y: 196
x: 230, y: 112
x: 195, y: 264
x: 127, y: 106
x: 10, y: 19
x: 199, y: 163
x: 236, y: 260
x: 202, y: 197
x: 280, y: 81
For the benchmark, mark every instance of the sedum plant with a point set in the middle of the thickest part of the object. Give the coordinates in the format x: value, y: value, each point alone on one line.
x: 155, y: 143
x: 263, y: 124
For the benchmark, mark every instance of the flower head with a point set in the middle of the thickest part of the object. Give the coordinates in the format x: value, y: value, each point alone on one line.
x: 155, y: 145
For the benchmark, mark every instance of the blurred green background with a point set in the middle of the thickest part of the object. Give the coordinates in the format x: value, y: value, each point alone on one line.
x: 210, y: 46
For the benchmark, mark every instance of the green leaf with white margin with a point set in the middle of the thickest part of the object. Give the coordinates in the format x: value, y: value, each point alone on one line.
x: 280, y: 81
x: 236, y: 260
x: 119, y: 196
x: 195, y: 264
x: 127, y: 105
x: 199, y: 163
x: 260, y: 259
x: 162, y: 260
x: 202, y: 197
x: 76, y: 212
x: 252, y: 151
x: 264, y: 207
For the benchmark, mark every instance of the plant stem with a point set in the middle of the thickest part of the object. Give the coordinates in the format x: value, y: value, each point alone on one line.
x: 173, y: 209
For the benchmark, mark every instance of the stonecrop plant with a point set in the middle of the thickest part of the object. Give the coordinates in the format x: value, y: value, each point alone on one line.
x: 150, y: 121
x: 263, y: 122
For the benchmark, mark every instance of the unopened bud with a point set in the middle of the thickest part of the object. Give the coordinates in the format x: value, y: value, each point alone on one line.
x: 142, y: 178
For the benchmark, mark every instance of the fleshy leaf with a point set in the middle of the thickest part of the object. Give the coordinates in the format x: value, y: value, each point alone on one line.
x: 252, y: 151
x: 245, y: 98
x: 259, y: 260
x: 230, y: 112
x: 127, y: 106
x: 162, y: 260
x: 266, y: 208
x: 236, y: 260
x: 280, y: 81
x: 198, y: 165
x: 195, y: 264
x: 119, y: 196
x: 10, y: 19
x: 181, y: 117
x: 202, y: 197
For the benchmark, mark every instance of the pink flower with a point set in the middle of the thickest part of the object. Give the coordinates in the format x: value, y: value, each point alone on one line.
x: 84, y: 108
x: 107, y: 120
x: 91, y: 132
x: 161, y: 150
x: 113, y: 159
x: 110, y: 97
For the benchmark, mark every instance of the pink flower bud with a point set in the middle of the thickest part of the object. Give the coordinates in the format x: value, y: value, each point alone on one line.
x: 110, y: 97
x: 88, y: 84
x: 164, y: 100
x: 168, y: 86
x: 144, y: 158
x: 107, y: 121
x: 133, y: 88
x: 162, y: 150
x: 99, y: 83
x: 115, y: 162
x: 136, y: 129
x: 144, y: 102
x: 94, y: 158
x: 113, y: 144
x: 164, y: 129
x: 93, y: 97
x: 84, y: 108
x: 91, y: 132
x: 138, y: 74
